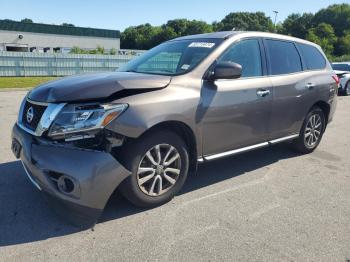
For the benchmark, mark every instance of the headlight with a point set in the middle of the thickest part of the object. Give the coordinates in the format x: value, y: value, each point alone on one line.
x: 84, y: 118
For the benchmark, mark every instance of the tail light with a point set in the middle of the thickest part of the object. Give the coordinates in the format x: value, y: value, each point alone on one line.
x: 336, y: 79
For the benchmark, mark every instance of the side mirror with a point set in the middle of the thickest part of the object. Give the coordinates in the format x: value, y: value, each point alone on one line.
x: 226, y: 70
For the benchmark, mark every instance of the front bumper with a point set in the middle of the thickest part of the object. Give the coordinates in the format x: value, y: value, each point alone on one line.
x: 95, y: 174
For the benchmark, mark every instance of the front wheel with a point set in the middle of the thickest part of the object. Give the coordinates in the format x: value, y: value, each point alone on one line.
x: 159, y: 164
x: 311, y: 132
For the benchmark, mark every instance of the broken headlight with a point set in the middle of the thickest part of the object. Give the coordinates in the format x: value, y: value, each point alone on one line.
x: 84, y: 119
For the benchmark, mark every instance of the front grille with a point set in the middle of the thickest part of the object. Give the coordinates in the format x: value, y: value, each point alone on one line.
x: 37, y: 110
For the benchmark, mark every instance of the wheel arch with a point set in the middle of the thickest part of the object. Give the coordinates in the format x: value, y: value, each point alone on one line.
x: 325, y: 107
x: 186, y: 133
x: 347, y: 87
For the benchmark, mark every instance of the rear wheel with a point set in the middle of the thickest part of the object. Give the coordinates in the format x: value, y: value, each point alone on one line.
x: 311, y: 132
x: 159, y: 164
x: 347, y: 89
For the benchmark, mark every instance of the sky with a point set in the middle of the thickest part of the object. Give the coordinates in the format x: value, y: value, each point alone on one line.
x: 117, y: 14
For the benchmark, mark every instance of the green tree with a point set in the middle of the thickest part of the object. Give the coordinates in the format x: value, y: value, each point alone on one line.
x: 179, y: 26
x: 139, y: 37
x: 323, y: 35
x: 245, y: 21
x: 337, y: 15
x: 343, y: 45
x: 68, y: 24
x: 147, y: 36
x: 27, y: 20
x: 297, y: 25
x: 183, y: 27
x: 128, y: 38
x: 198, y: 27
x: 329, y: 27
x: 164, y: 34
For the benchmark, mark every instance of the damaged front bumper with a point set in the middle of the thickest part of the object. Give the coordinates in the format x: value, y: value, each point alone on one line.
x: 78, y: 182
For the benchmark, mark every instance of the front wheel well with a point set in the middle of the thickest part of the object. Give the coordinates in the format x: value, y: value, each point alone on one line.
x: 186, y: 133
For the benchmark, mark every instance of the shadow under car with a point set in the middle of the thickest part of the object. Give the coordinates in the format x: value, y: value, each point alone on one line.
x: 26, y: 217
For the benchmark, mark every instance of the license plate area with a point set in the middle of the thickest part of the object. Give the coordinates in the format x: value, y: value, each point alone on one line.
x: 16, y: 148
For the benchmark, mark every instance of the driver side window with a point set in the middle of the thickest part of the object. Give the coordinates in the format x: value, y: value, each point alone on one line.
x: 247, y: 54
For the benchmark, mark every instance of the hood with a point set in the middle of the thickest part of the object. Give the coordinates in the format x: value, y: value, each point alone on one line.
x: 98, y: 86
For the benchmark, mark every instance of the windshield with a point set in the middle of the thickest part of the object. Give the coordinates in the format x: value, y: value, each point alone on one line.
x: 172, y: 58
x: 341, y: 67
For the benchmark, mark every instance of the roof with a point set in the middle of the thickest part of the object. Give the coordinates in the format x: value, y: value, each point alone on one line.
x: 229, y: 34
x: 7, y: 25
x: 220, y: 35
x: 341, y: 63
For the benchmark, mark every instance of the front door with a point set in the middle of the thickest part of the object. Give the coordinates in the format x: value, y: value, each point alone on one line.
x: 236, y: 113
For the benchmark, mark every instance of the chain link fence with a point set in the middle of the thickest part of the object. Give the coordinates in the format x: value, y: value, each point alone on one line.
x: 51, y: 64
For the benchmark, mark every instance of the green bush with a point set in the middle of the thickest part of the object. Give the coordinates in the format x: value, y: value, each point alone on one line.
x: 344, y: 58
x: 100, y: 50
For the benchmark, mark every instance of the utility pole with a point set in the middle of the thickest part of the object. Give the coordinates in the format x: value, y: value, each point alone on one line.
x: 276, y: 13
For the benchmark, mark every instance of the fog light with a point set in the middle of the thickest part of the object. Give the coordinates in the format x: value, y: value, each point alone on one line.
x: 65, y: 185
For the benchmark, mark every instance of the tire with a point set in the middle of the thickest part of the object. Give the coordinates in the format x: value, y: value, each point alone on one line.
x: 136, y: 159
x: 347, y: 89
x: 307, y: 132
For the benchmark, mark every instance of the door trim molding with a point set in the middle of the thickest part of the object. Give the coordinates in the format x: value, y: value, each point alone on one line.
x: 248, y: 148
x: 236, y: 151
x: 279, y: 140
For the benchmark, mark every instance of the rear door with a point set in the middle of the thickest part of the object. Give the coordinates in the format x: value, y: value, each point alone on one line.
x: 293, y: 88
x: 236, y: 111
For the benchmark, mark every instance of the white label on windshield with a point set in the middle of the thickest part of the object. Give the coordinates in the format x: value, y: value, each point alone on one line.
x: 185, y: 67
x: 202, y: 44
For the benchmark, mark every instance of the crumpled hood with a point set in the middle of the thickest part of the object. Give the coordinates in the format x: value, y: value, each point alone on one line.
x: 95, y: 86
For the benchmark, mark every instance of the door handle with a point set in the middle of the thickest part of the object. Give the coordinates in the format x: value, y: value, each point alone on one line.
x: 310, y: 85
x: 263, y: 92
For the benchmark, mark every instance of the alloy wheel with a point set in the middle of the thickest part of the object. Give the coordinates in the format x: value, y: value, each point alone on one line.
x: 313, y: 131
x: 159, y: 170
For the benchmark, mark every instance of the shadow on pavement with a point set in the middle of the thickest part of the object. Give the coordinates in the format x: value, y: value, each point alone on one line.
x: 25, y: 216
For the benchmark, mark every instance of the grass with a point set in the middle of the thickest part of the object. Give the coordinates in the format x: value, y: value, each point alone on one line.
x: 23, y: 82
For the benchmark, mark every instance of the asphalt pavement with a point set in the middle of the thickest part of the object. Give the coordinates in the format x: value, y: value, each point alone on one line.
x: 267, y: 205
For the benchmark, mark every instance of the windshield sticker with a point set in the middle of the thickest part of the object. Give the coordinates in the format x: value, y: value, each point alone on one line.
x: 202, y: 44
x: 185, y: 67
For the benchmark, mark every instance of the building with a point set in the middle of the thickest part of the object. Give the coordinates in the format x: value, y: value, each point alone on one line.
x: 34, y: 37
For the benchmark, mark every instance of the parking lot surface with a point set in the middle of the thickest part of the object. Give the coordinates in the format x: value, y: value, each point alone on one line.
x: 267, y: 205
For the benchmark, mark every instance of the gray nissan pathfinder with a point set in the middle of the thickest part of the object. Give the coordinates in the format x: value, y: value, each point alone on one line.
x: 193, y: 99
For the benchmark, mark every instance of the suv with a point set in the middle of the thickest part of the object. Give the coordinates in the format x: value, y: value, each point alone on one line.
x: 343, y: 72
x: 189, y: 100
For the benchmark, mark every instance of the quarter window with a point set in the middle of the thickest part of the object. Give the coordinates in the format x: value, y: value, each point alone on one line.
x: 247, y: 54
x: 312, y: 57
x: 284, y: 57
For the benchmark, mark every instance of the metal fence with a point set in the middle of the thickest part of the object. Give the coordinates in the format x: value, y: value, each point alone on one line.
x: 51, y: 64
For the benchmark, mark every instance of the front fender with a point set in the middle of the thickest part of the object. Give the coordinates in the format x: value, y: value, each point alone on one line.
x: 173, y: 104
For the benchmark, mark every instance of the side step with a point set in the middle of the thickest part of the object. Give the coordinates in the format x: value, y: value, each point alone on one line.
x: 246, y: 149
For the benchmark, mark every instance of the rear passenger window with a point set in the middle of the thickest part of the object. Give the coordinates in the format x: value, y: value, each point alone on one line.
x: 247, y: 54
x: 284, y: 57
x: 312, y: 57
